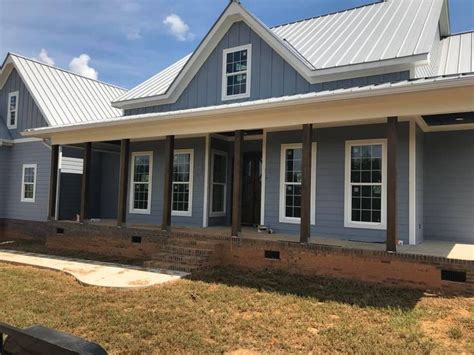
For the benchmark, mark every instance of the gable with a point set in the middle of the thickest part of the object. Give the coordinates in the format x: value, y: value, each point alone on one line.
x: 271, y: 76
x: 29, y: 115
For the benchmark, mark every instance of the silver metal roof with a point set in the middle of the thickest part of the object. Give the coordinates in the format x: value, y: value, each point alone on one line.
x: 377, y: 32
x: 158, y: 84
x: 65, y: 97
x: 457, y: 54
x: 381, y: 31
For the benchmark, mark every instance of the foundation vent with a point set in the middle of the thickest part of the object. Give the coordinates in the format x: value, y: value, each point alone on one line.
x: 455, y: 276
x: 59, y: 230
x: 136, y: 239
x: 272, y: 254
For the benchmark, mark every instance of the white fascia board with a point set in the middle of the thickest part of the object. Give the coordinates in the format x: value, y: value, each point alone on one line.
x: 337, y: 95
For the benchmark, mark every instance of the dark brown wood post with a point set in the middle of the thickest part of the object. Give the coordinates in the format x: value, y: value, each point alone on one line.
x: 86, y: 170
x: 305, y: 223
x: 168, y: 183
x: 53, y: 181
x: 123, y: 182
x: 392, y: 143
x: 237, y: 184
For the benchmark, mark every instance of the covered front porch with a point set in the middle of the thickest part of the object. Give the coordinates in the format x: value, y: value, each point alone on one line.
x: 348, y: 169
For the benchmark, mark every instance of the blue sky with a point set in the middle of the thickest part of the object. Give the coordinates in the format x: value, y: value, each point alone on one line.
x: 127, y: 41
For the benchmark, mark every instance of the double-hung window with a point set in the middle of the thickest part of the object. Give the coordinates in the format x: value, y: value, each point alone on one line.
x: 219, y: 184
x: 183, y: 182
x: 28, y: 185
x: 290, y: 183
x: 236, y: 72
x: 12, y: 114
x: 365, y: 200
x: 140, y: 192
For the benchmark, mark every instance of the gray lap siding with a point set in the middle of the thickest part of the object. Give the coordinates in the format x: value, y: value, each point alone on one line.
x: 330, y: 184
x: 12, y: 170
x: 449, y: 186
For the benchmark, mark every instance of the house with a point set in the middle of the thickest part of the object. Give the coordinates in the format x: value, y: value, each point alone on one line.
x: 356, y: 125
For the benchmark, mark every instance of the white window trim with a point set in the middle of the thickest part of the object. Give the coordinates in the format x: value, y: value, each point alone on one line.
x: 224, y: 154
x: 150, y: 183
x: 23, y: 198
x: 225, y: 97
x: 10, y: 95
x: 294, y: 220
x: 189, y: 212
x: 348, y: 223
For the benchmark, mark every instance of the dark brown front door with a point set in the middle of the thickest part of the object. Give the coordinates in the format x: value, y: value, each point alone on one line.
x: 251, y: 187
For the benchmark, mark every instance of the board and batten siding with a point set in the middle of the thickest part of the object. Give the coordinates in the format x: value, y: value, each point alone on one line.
x: 25, y: 153
x: 330, y: 183
x: 4, y: 159
x: 271, y: 76
x: 158, y: 149
x: 29, y: 115
x: 449, y: 186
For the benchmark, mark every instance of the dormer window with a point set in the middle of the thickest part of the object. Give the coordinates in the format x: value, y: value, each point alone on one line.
x: 12, y: 115
x: 236, y: 72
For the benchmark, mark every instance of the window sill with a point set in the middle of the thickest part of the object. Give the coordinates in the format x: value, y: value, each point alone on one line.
x: 181, y: 214
x: 139, y: 211
x: 28, y: 200
x: 217, y: 214
x: 235, y: 97
x: 363, y: 225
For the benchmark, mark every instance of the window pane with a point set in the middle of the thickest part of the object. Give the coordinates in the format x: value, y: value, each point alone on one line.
x: 13, y: 103
x: 220, y: 168
x: 366, y: 203
x: 12, y: 118
x: 293, y: 200
x: 28, y: 190
x: 140, y: 196
x: 218, y: 197
x: 181, y: 167
x: 181, y: 197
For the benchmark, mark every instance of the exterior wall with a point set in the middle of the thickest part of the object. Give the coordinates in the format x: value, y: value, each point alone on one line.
x: 4, y: 159
x: 330, y: 184
x: 29, y: 116
x: 449, y: 186
x: 271, y: 76
x: 26, y: 153
x: 158, y: 148
x: 420, y: 154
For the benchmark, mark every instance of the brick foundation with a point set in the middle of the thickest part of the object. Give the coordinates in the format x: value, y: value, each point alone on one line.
x: 417, y: 271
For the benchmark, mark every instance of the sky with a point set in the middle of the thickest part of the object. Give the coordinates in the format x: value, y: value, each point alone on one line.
x: 124, y: 42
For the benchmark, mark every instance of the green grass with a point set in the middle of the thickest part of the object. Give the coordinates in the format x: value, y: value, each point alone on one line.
x: 230, y: 309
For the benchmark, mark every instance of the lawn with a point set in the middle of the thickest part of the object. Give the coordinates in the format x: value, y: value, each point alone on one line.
x: 231, y: 309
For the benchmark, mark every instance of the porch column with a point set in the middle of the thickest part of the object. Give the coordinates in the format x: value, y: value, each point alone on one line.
x: 123, y: 182
x: 86, y: 169
x: 168, y: 183
x: 305, y: 223
x: 392, y: 143
x: 237, y: 184
x: 53, y: 181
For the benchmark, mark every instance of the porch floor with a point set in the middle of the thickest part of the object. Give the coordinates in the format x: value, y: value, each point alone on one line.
x: 445, y: 249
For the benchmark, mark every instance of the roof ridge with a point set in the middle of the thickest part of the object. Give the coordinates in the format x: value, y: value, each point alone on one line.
x: 65, y: 70
x: 328, y: 14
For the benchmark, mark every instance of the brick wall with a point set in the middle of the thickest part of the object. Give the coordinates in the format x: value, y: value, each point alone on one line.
x: 12, y: 229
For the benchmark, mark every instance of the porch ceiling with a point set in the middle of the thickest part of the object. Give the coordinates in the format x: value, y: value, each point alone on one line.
x: 327, y: 110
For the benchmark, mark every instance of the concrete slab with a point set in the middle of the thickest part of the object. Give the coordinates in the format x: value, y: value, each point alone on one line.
x: 94, y: 273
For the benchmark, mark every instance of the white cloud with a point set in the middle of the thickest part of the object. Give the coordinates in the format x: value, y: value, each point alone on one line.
x: 80, y: 65
x: 178, y: 27
x: 45, y: 58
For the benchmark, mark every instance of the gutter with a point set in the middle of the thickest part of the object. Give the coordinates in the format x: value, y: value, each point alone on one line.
x: 314, y: 97
x: 6, y: 143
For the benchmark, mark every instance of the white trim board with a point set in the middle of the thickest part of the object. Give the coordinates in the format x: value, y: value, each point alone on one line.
x: 282, y: 218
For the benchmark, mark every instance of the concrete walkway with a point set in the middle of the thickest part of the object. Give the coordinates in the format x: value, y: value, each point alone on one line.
x: 94, y: 273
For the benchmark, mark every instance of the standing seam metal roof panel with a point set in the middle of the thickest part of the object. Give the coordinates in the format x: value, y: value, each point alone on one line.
x: 65, y: 97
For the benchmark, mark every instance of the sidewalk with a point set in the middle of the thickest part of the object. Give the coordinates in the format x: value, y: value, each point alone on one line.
x: 94, y: 273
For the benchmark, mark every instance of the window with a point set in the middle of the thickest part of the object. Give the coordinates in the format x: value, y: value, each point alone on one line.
x: 236, y: 72
x: 183, y: 182
x: 140, y: 193
x: 219, y: 184
x: 12, y: 110
x: 290, y: 183
x: 28, y: 186
x: 365, y: 200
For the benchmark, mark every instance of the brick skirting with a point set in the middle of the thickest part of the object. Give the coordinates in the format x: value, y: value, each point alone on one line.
x: 23, y: 230
x: 406, y: 270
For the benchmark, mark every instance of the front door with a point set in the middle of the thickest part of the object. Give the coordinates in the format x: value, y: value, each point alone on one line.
x: 251, y: 187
